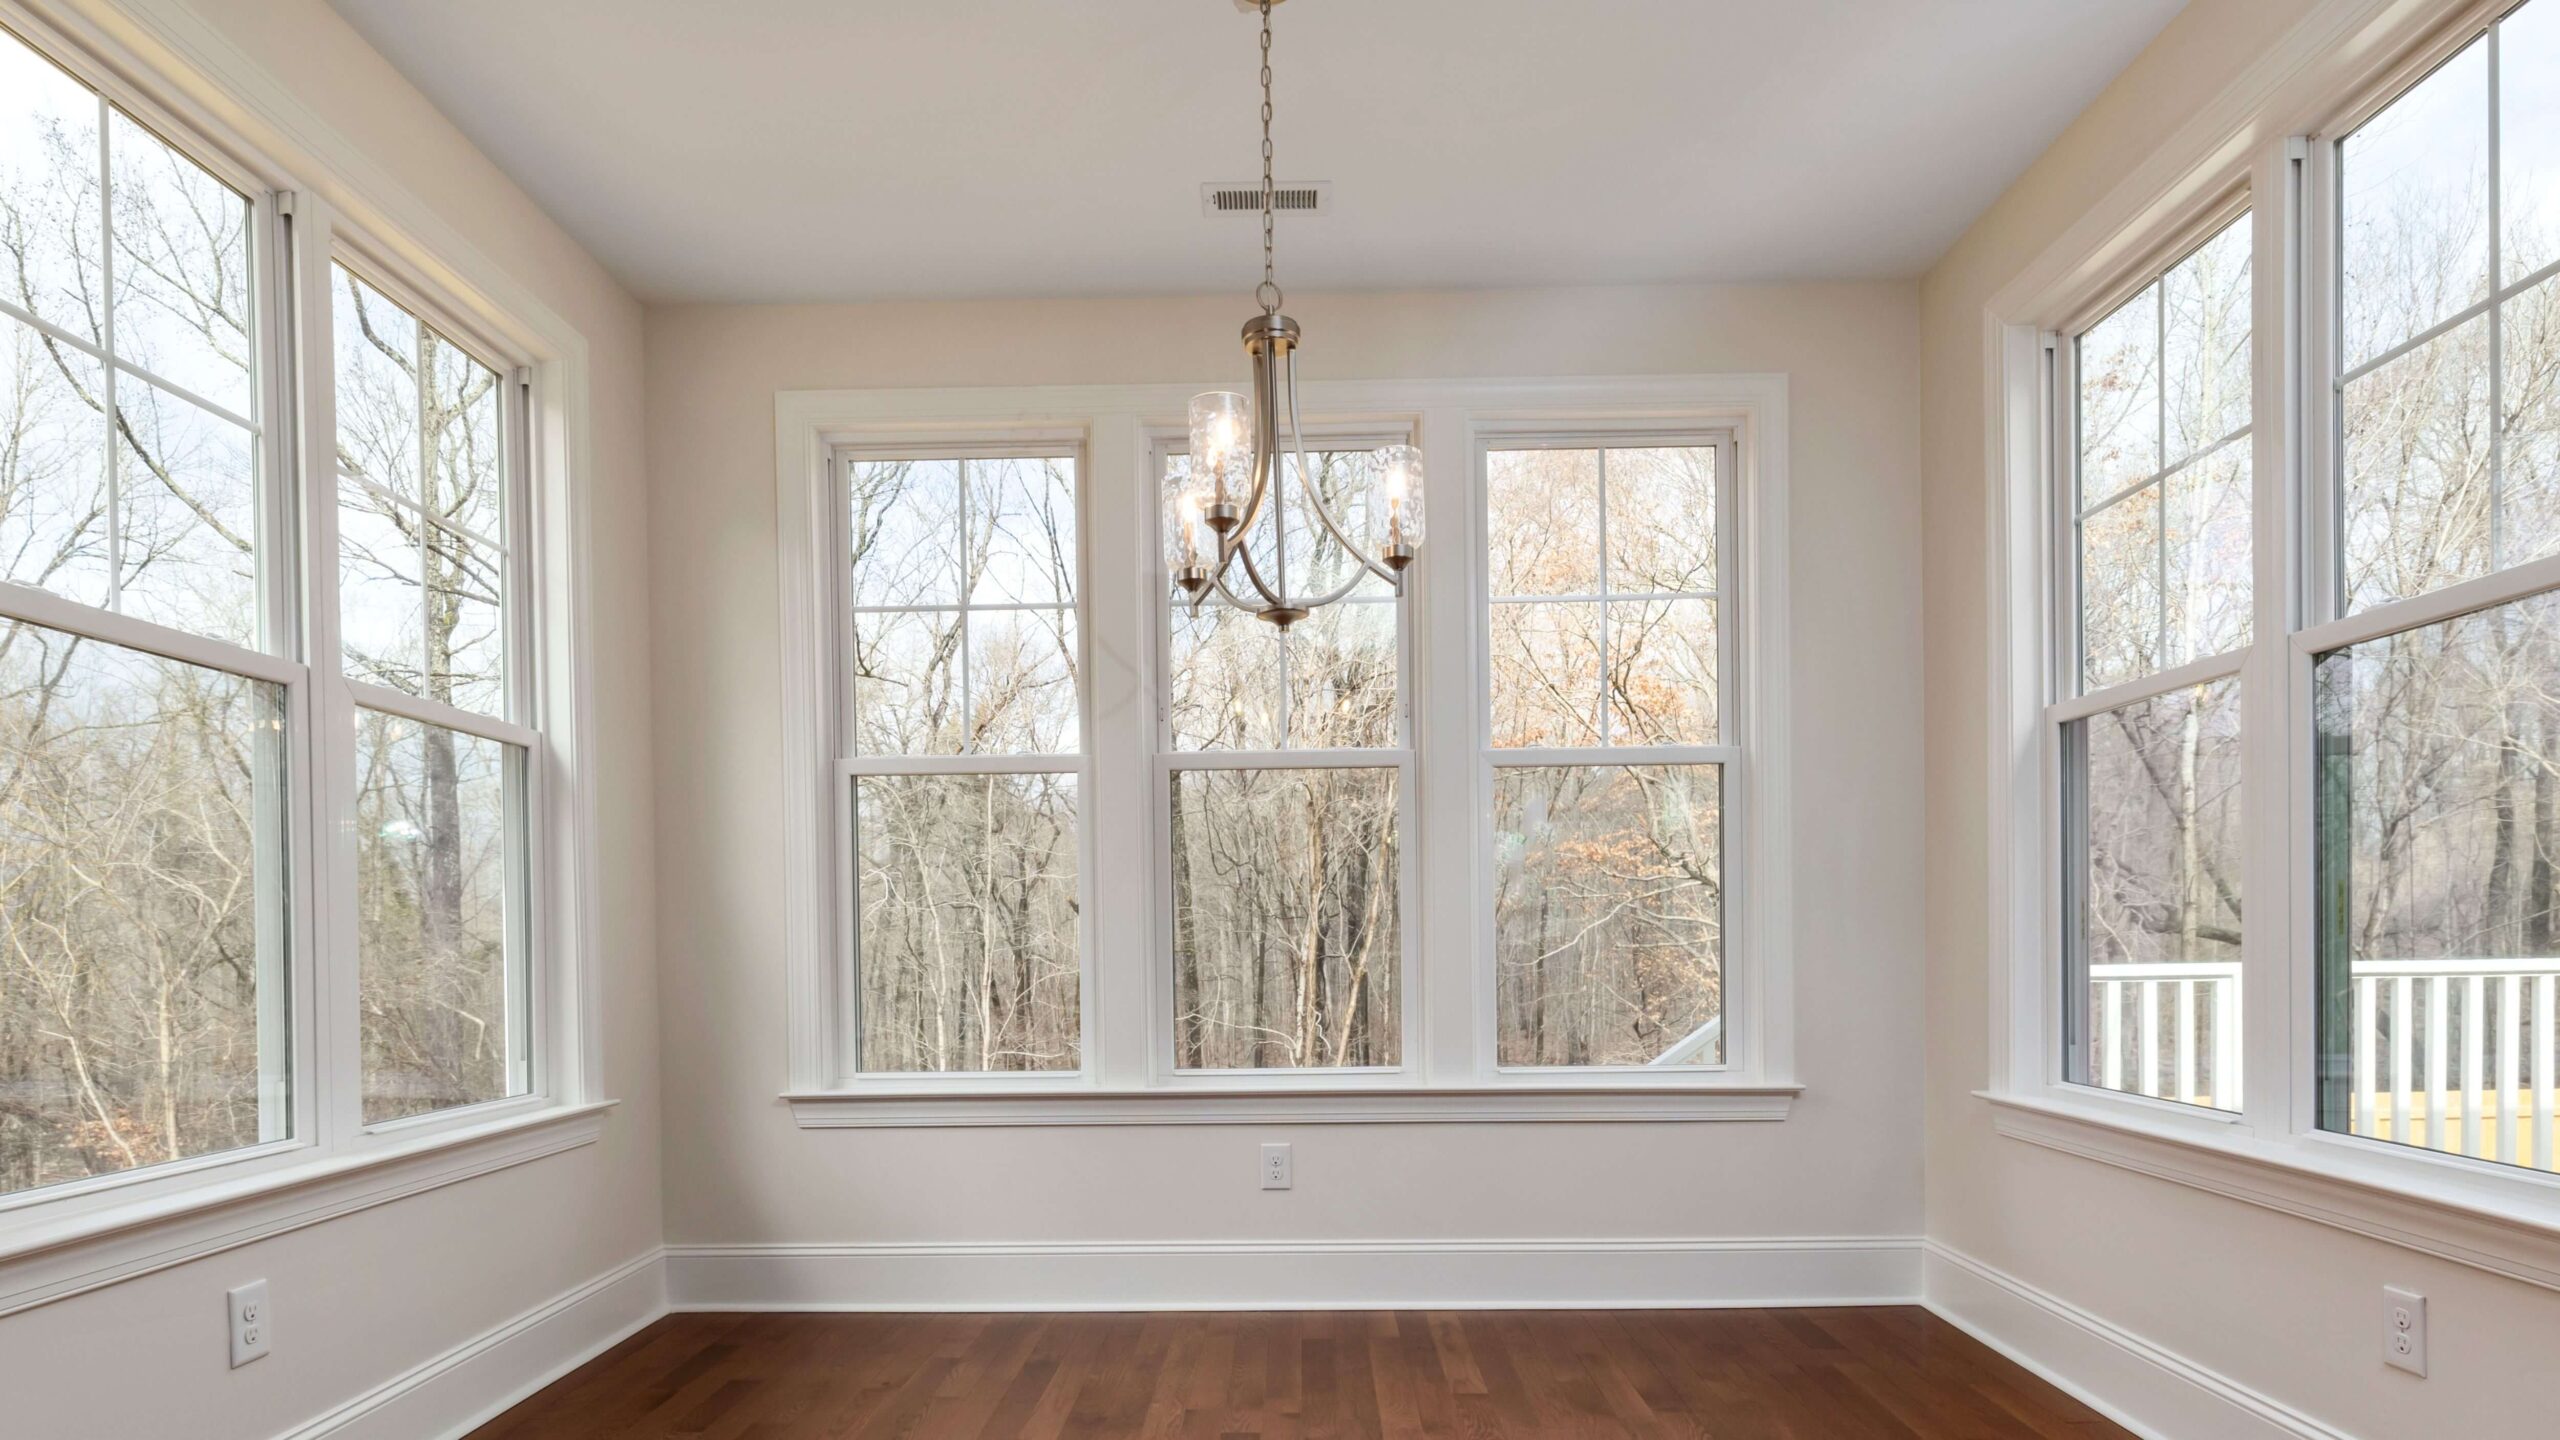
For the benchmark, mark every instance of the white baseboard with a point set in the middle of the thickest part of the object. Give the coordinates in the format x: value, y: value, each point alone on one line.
x: 471, y: 1384
x: 1299, y: 1275
x: 2155, y: 1393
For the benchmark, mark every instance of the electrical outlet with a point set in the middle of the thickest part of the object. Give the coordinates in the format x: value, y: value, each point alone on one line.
x: 250, y: 1329
x: 2404, y: 1330
x: 1276, y: 1169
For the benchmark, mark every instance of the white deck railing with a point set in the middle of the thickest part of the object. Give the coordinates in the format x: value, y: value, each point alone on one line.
x: 2456, y: 1055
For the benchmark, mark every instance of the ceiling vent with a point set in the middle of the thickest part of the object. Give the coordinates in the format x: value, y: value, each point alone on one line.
x: 1245, y: 198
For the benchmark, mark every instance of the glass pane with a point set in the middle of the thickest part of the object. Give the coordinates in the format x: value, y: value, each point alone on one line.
x: 381, y: 609
x: 1546, y: 673
x: 377, y: 386
x: 49, y: 191
x: 2204, y: 301
x: 2207, y: 545
x: 2529, y: 485
x: 1662, y: 672
x: 1608, y: 915
x: 1226, y: 673
x: 442, y: 1007
x: 466, y: 629
x: 182, y: 270
x: 466, y: 479
x: 2414, y: 200
x: 2416, y: 497
x: 906, y: 683
x: 53, y: 476
x: 1342, y: 676
x: 1022, y: 681
x: 187, y: 491
x: 1022, y: 532
x: 2120, y: 607
x: 2158, y: 896
x: 2437, y: 817
x: 906, y: 531
x: 1348, y: 481
x: 2119, y: 364
x: 2529, y: 139
x: 141, y: 985
x: 1543, y: 521
x: 1662, y: 519
x: 1286, y: 949
x: 968, y: 949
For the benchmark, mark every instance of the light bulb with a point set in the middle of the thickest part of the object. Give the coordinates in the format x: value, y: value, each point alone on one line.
x: 1396, y: 524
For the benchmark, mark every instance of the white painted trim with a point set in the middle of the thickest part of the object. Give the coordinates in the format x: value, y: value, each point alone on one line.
x: 84, y: 1250
x: 2466, y: 1211
x: 473, y: 1383
x: 1451, y: 418
x: 2152, y: 1391
x: 1402, y: 1105
x: 1300, y: 1274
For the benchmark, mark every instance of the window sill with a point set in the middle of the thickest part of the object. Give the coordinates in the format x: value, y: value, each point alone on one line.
x: 2505, y: 1223
x: 862, y: 1110
x: 50, y: 1257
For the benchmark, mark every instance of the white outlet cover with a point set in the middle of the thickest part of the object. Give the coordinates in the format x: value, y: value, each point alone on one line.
x: 1277, y: 1170
x: 252, y: 1330
x: 2404, y: 1330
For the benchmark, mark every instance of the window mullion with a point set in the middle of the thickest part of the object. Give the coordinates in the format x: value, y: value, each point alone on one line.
x: 1123, y: 592
x: 2274, y: 902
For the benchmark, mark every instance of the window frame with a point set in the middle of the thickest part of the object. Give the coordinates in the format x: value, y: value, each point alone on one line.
x: 1163, y: 442
x: 843, y: 1052
x: 303, y: 213
x: 1733, y: 595
x: 2275, y: 144
x: 1447, y: 1071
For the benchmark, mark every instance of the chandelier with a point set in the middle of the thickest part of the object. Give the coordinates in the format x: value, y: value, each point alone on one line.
x: 1234, y: 479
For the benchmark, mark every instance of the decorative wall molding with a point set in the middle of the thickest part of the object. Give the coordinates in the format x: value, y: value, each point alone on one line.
x: 1300, y: 1274
x: 2156, y: 1393
x: 103, y: 1247
x: 467, y: 1386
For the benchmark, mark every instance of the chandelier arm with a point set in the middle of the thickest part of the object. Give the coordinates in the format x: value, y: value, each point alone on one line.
x: 1306, y: 484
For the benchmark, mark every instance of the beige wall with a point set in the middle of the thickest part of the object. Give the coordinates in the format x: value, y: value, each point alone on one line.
x: 360, y: 1300
x: 1847, y: 1164
x: 2283, y: 1305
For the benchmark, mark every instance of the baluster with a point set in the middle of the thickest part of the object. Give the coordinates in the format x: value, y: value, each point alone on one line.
x: 2439, y: 1072
x: 2150, y: 1082
x: 2510, y: 1030
x: 2546, y: 1070
x: 2475, y: 990
x: 2111, y: 1034
x: 2403, y: 1018
x: 2365, y: 1081
x: 2226, y: 1040
x: 2187, y: 1041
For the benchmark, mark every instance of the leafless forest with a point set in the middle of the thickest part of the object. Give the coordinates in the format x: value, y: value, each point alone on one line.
x: 143, y: 799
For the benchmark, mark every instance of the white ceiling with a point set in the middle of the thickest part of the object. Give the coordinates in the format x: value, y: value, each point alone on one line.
x: 854, y: 149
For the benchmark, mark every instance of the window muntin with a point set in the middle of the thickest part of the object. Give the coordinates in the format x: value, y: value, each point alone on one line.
x: 1612, y: 772
x: 2162, y: 511
x: 961, y: 793
x: 1286, y: 869
x: 127, y: 359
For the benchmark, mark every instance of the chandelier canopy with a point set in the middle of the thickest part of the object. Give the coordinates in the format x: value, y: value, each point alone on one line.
x: 1234, y: 480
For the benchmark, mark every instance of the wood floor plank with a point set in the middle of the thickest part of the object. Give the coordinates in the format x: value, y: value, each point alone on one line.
x: 1878, y: 1373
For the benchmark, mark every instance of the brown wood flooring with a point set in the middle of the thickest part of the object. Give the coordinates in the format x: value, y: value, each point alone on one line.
x: 1829, y: 1374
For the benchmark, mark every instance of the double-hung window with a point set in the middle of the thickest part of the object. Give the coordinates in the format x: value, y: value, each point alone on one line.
x: 274, y: 834
x: 962, y: 724
x: 2283, y: 649
x: 1504, y: 841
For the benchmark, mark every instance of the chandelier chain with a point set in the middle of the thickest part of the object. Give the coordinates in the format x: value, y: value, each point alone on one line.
x: 1268, y: 292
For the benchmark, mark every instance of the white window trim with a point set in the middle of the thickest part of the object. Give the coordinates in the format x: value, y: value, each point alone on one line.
x: 1127, y: 1080
x: 2496, y: 1217
x: 161, y: 62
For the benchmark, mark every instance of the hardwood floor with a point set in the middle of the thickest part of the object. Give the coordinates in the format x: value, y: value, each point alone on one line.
x: 1840, y: 1374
